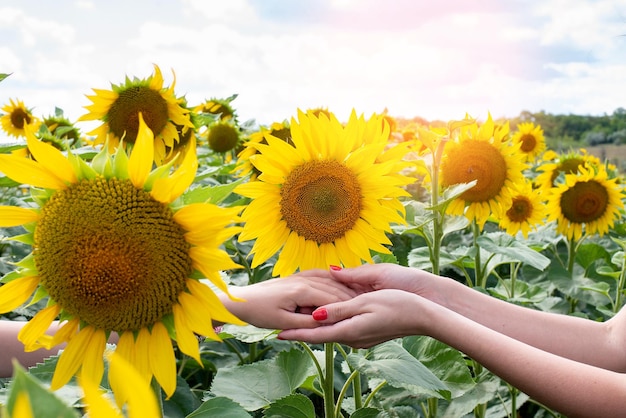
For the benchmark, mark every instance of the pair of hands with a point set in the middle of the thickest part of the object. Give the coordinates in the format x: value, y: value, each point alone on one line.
x: 360, y: 306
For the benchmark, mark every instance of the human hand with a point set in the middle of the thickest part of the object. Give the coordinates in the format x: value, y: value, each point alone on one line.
x: 372, y: 277
x: 367, y: 319
x: 287, y: 302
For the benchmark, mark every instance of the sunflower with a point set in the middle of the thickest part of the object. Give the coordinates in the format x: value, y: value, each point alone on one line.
x: 119, y: 109
x: 587, y: 198
x: 482, y: 154
x: 223, y: 137
x: 221, y: 107
x: 115, y: 251
x: 554, y: 165
x: 280, y: 130
x: 16, y: 118
x: 531, y: 140
x: 526, y: 211
x: 325, y: 199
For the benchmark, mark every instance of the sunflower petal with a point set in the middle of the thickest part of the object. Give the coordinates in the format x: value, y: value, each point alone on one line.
x: 26, y: 171
x: 212, y: 303
x: 185, y: 337
x: 15, y: 215
x: 51, y: 159
x: 97, y: 405
x: 34, y: 329
x: 162, y: 359
x: 15, y: 293
x: 142, y: 401
x: 71, y: 358
x: 141, y: 157
x: 93, y: 365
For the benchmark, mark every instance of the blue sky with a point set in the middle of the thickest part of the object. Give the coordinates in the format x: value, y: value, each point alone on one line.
x: 437, y: 60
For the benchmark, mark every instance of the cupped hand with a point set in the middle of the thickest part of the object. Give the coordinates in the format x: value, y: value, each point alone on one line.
x: 288, y: 302
x: 372, y: 277
x: 367, y: 319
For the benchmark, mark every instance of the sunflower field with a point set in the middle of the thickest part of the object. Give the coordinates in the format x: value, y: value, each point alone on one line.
x: 121, y: 248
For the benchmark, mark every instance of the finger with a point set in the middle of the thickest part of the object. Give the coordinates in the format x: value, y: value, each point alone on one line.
x: 339, y: 311
x: 360, y: 278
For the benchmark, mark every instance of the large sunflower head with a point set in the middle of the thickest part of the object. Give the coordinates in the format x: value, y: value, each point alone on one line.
x: 119, y: 109
x: 17, y: 118
x: 586, y: 201
x: 526, y: 211
x: 115, y: 250
x: 482, y: 154
x: 327, y: 199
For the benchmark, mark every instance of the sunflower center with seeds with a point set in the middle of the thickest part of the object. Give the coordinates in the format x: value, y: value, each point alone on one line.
x: 19, y: 118
x: 585, y: 202
x: 123, y: 116
x: 321, y: 200
x: 520, y: 210
x: 529, y: 142
x: 110, y: 254
x: 480, y: 161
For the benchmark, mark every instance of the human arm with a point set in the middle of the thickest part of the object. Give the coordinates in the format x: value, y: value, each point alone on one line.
x: 12, y: 348
x: 568, y: 386
x: 603, y: 345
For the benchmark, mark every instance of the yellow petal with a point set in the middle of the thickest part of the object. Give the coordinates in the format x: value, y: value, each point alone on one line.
x: 21, y: 407
x: 26, y: 171
x: 37, y: 326
x: 162, y: 359
x: 141, y: 399
x: 142, y: 354
x: 212, y: 303
x: 197, y: 318
x: 168, y: 189
x: 93, y: 364
x: 185, y: 337
x: 51, y: 159
x: 15, y: 293
x: 97, y: 405
x: 14, y: 216
x: 140, y: 161
x: 71, y: 358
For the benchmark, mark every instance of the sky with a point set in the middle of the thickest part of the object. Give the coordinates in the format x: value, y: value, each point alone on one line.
x: 438, y: 60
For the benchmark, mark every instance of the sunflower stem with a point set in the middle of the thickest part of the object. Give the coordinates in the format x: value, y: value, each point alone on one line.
x: 478, y: 273
x: 156, y: 388
x: 356, y: 386
x: 328, y: 383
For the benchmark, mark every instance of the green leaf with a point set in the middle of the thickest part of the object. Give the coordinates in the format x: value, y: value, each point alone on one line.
x: 370, y: 413
x: 451, y: 193
x: 44, y: 404
x: 390, y: 361
x: 292, y: 406
x: 219, y: 407
x: 447, y: 363
x: 211, y: 194
x: 511, y: 250
x: 256, y: 385
x: 246, y: 333
x: 182, y: 402
x: 4, y: 75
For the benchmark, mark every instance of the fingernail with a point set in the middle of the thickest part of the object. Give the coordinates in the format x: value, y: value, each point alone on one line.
x: 279, y: 337
x: 335, y: 268
x: 320, y: 314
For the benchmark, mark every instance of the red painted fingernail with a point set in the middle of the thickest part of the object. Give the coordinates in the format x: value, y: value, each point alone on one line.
x: 320, y: 314
x: 335, y: 268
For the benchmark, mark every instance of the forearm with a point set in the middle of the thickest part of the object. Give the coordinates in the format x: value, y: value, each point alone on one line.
x: 555, y: 333
x: 570, y: 387
x: 11, y: 348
